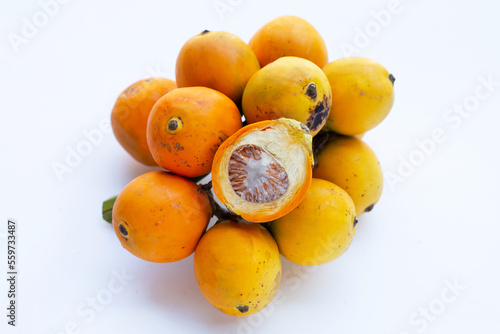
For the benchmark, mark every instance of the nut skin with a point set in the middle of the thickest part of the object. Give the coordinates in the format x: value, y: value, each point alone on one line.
x: 362, y: 95
x: 289, y: 87
x: 159, y: 217
x: 237, y: 267
x: 204, y: 119
x: 289, y: 36
x: 319, y: 229
x: 352, y: 165
x: 218, y: 60
x: 130, y: 113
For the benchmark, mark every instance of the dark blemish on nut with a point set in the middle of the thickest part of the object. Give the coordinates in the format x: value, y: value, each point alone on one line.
x: 173, y: 125
x: 319, y: 114
x: 178, y: 147
x: 222, y: 137
x: 370, y: 208
x: 392, y: 79
x: 130, y: 90
x: 123, y: 231
x: 204, y: 32
x: 355, y: 222
x: 242, y: 308
x: 311, y: 91
x: 168, y: 148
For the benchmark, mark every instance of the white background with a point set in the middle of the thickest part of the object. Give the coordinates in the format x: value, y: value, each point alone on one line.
x: 438, y: 224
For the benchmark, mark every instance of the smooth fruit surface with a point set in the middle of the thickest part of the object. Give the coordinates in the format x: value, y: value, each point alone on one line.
x: 289, y: 36
x: 352, y: 165
x: 264, y: 170
x: 289, y: 87
x: 362, y: 94
x: 217, y: 60
x: 130, y: 114
x: 237, y: 267
x: 160, y: 217
x: 320, y: 228
x: 186, y: 127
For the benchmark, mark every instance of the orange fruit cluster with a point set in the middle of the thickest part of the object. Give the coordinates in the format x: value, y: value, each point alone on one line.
x: 279, y: 129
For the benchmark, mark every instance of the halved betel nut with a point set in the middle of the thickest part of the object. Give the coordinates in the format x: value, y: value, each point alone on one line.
x: 263, y: 171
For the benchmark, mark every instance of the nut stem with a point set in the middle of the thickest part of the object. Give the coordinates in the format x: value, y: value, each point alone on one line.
x: 217, y: 210
x: 107, y: 209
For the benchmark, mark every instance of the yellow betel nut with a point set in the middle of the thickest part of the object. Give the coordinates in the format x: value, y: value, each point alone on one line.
x: 362, y: 94
x: 217, y: 60
x: 237, y: 267
x: 160, y: 217
x: 290, y: 87
x: 129, y: 117
x: 352, y: 165
x: 289, y: 36
x: 320, y: 229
